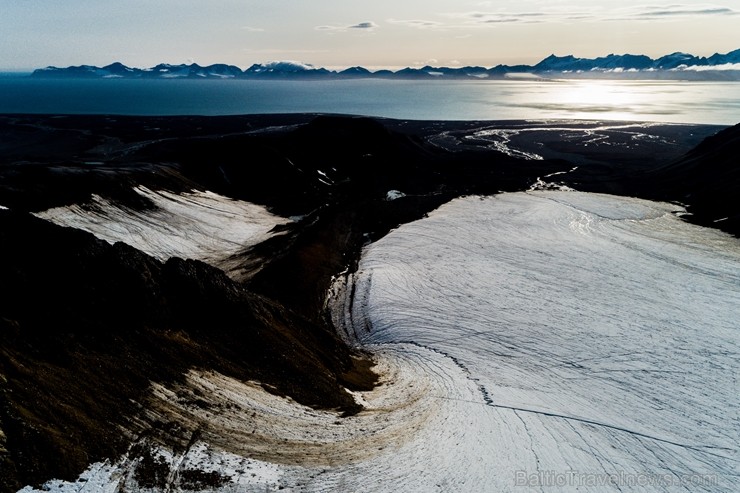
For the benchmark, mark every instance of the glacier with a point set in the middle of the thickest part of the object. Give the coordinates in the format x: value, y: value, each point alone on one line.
x: 531, y: 341
x: 601, y: 333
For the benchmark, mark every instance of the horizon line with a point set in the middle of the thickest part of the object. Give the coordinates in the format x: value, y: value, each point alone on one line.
x: 428, y: 63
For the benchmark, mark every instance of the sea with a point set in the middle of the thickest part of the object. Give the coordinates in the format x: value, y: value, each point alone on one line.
x: 655, y: 101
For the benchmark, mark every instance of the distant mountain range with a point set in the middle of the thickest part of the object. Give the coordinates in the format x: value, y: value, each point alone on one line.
x: 673, y: 66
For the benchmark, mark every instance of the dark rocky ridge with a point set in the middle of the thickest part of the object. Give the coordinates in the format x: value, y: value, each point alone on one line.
x: 86, y: 325
x: 707, y: 179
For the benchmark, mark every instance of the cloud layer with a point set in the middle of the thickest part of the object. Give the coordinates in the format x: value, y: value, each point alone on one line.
x: 362, y: 26
x: 483, y: 18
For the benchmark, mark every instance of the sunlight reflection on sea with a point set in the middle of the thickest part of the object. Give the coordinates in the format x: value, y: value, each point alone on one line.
x: 661, y: 101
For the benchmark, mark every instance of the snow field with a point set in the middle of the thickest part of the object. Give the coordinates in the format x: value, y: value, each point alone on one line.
x: 603, y: 330
x: 196, y: 225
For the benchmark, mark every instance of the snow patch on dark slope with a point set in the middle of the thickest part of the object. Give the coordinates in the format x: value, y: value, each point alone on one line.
x: 193, y: 225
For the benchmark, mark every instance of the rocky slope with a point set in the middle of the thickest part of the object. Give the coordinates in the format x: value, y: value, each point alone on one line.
x: 707, y: 179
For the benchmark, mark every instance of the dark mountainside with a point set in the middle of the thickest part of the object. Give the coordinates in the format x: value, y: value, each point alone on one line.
x: 707, y: 179
x: 86, y: 326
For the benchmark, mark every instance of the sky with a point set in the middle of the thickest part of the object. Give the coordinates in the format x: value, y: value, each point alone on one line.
x: 343, y: 33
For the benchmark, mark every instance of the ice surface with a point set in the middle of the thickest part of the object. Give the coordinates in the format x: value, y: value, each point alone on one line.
x: 602, y: 333
x: 196, y: 225
x: 536, y: 341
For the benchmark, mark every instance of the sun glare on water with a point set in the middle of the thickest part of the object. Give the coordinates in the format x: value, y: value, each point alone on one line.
x: 628, y: 100
x: 615, y: 100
